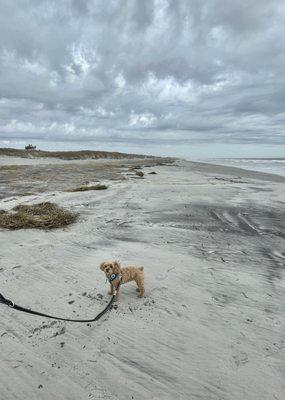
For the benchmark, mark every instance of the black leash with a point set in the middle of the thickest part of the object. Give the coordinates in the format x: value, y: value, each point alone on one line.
x: 10, y: 303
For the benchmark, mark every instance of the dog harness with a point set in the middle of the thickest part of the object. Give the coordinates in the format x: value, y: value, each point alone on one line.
x: 115, y: 276
x: 112, y: 277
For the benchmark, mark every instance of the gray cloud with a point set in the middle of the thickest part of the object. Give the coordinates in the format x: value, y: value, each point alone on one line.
x: 157, y: 73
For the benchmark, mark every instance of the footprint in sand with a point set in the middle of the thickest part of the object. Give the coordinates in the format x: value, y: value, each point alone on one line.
x: 240, y: 358
x: 162, y: 276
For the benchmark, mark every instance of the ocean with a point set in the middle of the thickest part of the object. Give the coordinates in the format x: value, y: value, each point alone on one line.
x: 268, y: 165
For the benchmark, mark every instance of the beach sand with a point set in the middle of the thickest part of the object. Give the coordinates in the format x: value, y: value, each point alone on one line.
x: 212, y: 323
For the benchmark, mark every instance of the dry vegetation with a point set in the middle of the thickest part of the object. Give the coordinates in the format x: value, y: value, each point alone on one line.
x: 40, y: 176
x: 99, y: 186
x: 41, y: 216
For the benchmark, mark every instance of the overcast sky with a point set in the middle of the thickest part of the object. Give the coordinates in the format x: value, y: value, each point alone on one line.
x: 193, y: 78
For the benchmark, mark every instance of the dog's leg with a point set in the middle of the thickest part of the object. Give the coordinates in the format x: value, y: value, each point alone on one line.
x: 117, y: 294
x: 111, y: 289
x: 140, y: 282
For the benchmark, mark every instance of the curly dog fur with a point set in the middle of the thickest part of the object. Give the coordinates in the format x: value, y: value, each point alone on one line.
x: 128, y: 274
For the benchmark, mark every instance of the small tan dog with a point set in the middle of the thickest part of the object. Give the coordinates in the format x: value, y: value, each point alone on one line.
x: 115, y: 274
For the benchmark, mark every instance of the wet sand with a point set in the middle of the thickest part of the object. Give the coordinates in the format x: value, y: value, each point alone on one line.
x: 212, y: 323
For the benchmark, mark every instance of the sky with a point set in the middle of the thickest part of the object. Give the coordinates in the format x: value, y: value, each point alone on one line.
x: 187, y: 78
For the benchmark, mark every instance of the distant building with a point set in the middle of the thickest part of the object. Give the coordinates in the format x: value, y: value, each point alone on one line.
x: 30, y: 147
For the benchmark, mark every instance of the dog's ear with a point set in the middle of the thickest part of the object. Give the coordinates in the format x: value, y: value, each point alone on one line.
x: 116, y: 267
x: 102, y: 265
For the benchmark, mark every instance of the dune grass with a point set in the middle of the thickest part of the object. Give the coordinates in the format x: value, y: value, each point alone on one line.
x: 69, y: 155
x: 36, y: 216
x: 99, y: 186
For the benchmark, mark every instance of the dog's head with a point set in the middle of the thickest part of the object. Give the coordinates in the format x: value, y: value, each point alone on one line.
x: 110, y: 267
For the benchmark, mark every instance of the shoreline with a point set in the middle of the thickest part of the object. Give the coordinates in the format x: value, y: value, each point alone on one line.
x: 227, y: 169
x: 263, y: 165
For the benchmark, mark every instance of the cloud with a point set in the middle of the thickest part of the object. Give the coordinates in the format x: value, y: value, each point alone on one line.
x: 166, y: 72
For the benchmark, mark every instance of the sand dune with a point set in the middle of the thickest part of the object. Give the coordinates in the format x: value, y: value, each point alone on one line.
x: 211, y: 325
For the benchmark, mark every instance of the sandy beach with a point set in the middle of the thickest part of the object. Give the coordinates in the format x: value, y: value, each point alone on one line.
x: 212, y: 323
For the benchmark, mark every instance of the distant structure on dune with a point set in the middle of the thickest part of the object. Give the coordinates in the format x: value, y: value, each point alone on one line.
x: 30, y: 147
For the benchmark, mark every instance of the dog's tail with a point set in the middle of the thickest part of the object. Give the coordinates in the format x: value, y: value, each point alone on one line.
x: 141, y: 268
